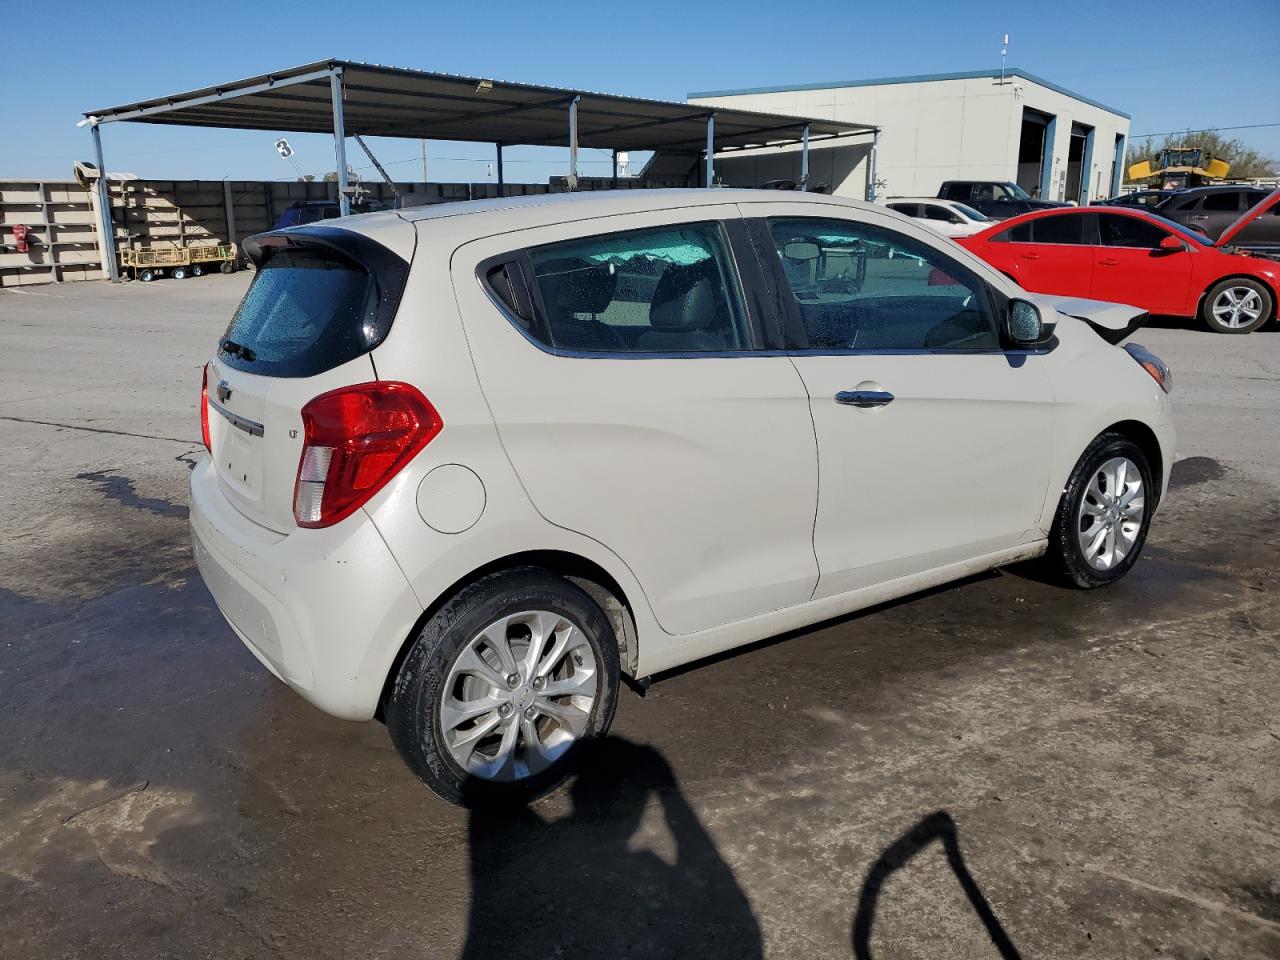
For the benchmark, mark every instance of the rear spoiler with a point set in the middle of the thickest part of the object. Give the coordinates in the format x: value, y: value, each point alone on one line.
x: 1112, y: 321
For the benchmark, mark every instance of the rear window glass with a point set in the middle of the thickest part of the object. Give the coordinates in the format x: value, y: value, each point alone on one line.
x: 660, y: 290
x: 1228, y: 201
x: 1063, y: 228
x: 302, y: 315
x: 1019, y: 234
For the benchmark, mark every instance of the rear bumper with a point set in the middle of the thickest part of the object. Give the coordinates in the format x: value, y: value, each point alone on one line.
x: 325, y: 610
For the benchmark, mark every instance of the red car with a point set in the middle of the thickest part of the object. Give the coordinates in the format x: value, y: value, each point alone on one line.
x: 1134, y: 257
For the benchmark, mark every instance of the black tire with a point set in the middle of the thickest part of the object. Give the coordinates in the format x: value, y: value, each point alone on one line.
x: 178, y: 273
x: 1216, y: 325
x: 197, y: 270
x: 1066, y: 558
x: 228, y: 267
x: 146, y: 276
x: 412, y: 710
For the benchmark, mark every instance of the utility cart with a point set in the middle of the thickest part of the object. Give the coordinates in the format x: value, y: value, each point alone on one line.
x: 148, y: 263
x: 208, y: 257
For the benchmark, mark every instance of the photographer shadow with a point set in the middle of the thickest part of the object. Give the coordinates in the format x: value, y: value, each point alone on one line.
x: 576, y: 886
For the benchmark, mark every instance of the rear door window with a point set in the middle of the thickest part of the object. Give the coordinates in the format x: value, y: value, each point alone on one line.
x: 311, y: 308
x: 906, y: 209
x: 1225, y: 201
x: 665, y: 290
x: 1067, y: 228
x: 934, y: 212
x: 1019, y: 234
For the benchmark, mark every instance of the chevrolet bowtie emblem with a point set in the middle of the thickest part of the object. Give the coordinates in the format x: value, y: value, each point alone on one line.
x: 224, y: 392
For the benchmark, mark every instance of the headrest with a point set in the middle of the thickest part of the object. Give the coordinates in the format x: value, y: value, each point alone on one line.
x: 573, y: 285
x: 686, y: 298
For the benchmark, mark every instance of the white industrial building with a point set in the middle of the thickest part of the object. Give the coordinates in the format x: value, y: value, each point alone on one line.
x: 982, y: 125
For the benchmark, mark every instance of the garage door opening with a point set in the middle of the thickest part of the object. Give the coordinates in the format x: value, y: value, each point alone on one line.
x: 1078, y: 162
x: 1031, y: 150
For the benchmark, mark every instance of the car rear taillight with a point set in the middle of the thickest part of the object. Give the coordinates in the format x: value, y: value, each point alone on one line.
x: 355, y: 440
x: 204, y: 409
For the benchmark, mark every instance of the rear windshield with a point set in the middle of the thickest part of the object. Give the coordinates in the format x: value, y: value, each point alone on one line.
x: 301, y: 315
x: 322, y: 296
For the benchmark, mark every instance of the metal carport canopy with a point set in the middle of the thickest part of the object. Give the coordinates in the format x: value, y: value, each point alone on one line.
x: 395, y: 102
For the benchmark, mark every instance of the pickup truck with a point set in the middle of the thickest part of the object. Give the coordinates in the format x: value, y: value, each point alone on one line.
x: 998, y: 199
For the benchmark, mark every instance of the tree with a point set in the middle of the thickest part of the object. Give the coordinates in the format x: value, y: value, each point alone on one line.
x: 1246, y: 163
x: 331, y: 176
x: 307, y: 178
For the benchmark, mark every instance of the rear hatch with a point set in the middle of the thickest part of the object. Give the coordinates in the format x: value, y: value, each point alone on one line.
x: 322, y: 299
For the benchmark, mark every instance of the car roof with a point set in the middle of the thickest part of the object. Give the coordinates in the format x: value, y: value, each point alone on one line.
x: 465, y: 220
x: 1220, y: 187
x: 493, y: 215
x: 941, y: 200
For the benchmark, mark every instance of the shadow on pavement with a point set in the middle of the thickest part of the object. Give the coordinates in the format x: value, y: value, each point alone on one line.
x: 580, y: 886
x: 936, y: 826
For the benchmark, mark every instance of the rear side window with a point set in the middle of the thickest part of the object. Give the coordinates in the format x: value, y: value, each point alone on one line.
x: 1064, y: 228
x: 312, y: 306
x: 661, y: 290
x: 1019, y: 234
x: 906, y: 209
x: 1227, y: 200
x: 933, y: 212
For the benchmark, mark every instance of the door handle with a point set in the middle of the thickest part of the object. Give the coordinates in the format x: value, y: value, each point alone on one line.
x: 864, y: 399
x: 1108, y: 262
x: 1200, y: 216
x: 1030, y: 256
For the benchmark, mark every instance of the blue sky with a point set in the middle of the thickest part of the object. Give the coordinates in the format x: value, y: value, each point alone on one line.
x: 1182, y: 68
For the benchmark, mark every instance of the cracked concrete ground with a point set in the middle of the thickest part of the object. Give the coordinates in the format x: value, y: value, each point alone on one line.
x: 1000, y: 765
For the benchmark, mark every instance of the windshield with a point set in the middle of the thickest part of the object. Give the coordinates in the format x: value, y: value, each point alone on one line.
x: 1182, y: 231
x: 1016, y: 191
x: 971, y: 213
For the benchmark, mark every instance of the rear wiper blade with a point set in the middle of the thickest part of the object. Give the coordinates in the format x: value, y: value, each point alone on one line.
x: 237, y: 350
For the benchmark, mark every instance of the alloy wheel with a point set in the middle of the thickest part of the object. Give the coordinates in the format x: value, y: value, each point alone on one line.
x: 1109, y: 520
x: 518, y: 695
x: 1237, y: 307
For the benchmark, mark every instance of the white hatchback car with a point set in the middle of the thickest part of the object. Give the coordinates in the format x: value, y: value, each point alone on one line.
x: 947, y: 217
x: 470, y: 465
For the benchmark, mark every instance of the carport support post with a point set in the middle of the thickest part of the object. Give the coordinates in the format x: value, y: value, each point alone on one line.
x: 804, y: 159
x: 711, y: 149
x: 573, y: 143
x: 871, y: 167
x: 615, y: 168
x: 339, y: 143
x: 501, y: 181
x: 107, y: 236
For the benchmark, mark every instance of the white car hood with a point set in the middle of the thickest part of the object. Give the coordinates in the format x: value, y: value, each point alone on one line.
x: 1112, y: 321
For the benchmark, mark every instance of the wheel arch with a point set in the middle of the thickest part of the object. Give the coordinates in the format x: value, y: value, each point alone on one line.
x: 586, y: 574
x: 1146, y: 440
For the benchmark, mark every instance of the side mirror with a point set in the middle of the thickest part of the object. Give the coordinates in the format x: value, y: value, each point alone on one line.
x: 1025, y: 325
x: 801, y: 250
x: 1172, y: 243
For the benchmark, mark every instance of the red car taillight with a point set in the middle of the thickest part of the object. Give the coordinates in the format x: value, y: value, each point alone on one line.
x: 204, y: 409
x: 355, y: 440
